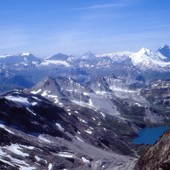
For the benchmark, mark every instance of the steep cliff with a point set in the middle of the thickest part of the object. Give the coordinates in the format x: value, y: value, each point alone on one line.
x: 158, y: 156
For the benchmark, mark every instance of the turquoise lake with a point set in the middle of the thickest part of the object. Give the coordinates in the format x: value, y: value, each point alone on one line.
x: 150, y: 135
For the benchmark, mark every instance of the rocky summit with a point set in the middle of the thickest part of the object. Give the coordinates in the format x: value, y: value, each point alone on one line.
x: 157, y: 157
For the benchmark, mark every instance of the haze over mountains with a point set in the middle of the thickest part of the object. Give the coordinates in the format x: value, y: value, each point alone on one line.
x: 66, y: 112
x: 25, y: 70
x: 144, y: 56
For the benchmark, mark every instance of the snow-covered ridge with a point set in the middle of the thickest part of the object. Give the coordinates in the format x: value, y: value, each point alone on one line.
x: 143, y: 59
x: 19, y: 55
x: 5, y: 55
x: 148, y: 58
x: 89, y: 54
x: 113, y: 54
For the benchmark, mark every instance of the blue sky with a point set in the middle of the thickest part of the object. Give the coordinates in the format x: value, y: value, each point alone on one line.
x: 46, y: 27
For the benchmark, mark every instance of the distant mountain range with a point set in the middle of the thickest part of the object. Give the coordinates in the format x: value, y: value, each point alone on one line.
x: 25, y: 70
x: 143, y: 59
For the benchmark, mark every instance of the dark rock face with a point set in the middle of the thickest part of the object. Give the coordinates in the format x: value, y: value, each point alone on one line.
x: 158, y: 156
x: 110, y: 95
x: 165, y: 50
x: 158, y: 94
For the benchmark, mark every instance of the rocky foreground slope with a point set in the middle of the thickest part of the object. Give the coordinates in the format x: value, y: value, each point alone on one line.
x: 158, y: 156
x: 36, y: 134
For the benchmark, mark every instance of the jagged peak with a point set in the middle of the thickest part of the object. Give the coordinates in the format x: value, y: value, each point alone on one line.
x: 164, y: 47
x: 58, y: 56
x: 49, y: 79
x: 143, y: 51
x: 88, y: 55
x: 165, y: 51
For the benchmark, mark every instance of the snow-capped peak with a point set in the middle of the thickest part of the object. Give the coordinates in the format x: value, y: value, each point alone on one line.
x: 144, y: 51
x: 147, y: 58
x: 88, y: 55
x: 143, y: 55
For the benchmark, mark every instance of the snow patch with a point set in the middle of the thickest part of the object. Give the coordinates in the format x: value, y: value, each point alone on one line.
x: 85, y: 160
x: 85, y: 94
x: 9, y: 131
x: 36, y: 98
x: 59, y: 126
x: 36, y: 92
x: 55, y: 98
x: 9, y: 163
x: 27, y: 147
x: 88, y: 131
x: 66, y: 154
x: 81, y: 120
x: 79, y: 139
x: 50, y: 166
x: 22, y: 100
x: 15, y: 148
x: 38, y: 158
x: 22, y: 165
x: 93, y: 118
x: 90, y: 102
x: 34, y: 103
x: 102, y: 114
x: 100, y: 92
x: 44, y: 93
x: 31, y: 111
x: 44, y: 139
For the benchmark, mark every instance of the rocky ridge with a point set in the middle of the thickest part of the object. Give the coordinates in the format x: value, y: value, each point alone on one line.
x: 157, y: 157
x: 37, y: 134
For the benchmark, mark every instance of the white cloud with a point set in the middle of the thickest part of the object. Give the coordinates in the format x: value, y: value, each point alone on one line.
x: 121, y: 3
x: 101, y: 6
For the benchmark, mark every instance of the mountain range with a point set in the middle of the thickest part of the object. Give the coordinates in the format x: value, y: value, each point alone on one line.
x: 65, y: 112
x: 62, y: 124
x: 26, y: 70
